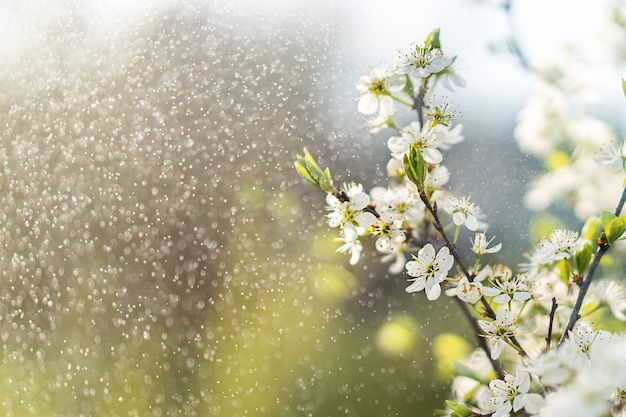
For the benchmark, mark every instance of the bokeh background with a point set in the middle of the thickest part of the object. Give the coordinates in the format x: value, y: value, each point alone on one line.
x: 158, y: 253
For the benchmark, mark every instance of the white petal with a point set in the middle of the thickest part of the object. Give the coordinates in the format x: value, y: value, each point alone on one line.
x: 365, y: 219
x: 417, y: 285
x: 502, y: 299
x: 395, y: 82
x: 494, y: 249
x: 518, y: 403
x: 490, y: 291
x: 427, y: 253
x: 432, y: 156
x: 368, y: 104
x: 533, y: 403
x: 433, y: 289
x: 471, y: 223
x: 386, y: 105
x: 359, y: 200
x: 497, y: 345
x: 458, y: 218
x: 357, y: 247
x: 522, y: 296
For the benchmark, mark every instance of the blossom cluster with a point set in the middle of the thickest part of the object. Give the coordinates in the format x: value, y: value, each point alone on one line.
x: 539, y: 349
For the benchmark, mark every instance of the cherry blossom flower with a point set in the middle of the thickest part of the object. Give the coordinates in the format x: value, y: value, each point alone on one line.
x: 560, y: 245
x: 389, y: 230
x: 422, y: 62
x: 470, y: 292
x: 351, y: 211
x: 511, y: 394
x: 429, y: 270
x: 612, y: 294
x: 480, y: 245
x: 376, y: 88
x: 449, y: 136
x: 614, y: 157
x: 498, y: 330
x: 450, y: 77
x: 506, y: 288
x: 352, y: 245
x: 464, y: 212
x: 422, y: 137
x: 436, y: 179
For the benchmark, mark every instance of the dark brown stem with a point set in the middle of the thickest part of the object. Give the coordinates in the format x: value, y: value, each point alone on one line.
x: 551, y: 323
x: 432, y: 208
x: 457, y: 257
x: 482, y: 342
x: 603, y: 247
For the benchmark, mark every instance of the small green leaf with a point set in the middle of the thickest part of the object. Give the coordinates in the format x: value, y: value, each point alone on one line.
x: 326, y: 182
x: 459, y: 410
x: 565, y: 270
x: 414, y: 167
x: 624, y: 86
x: 607, y: 217
x: 408, y: 86
x: 432, y: 40
x: 311, y: 172
x: 616, y: 229
x: 591, y: 230
x: 582, y: 257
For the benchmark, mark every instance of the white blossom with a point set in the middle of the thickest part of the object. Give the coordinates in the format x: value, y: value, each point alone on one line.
x: 424, y: 138
x: 497, y: 331
x: 470, y: 292
x: 511, y: 394
x: 376, y: 88
x: 480, y: 245
x: 428, y: 270
x: 422, y: 62
x: 560, y: 245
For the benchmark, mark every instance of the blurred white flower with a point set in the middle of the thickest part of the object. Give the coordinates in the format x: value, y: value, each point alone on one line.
x: 610, y: 293
x: 614, y: 157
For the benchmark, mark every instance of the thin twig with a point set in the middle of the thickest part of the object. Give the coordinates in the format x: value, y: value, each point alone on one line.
x: 603, y: 247
x: 482, y: 342
x: 457, y: 257
x: 551, y: 323
x: 514, y: 46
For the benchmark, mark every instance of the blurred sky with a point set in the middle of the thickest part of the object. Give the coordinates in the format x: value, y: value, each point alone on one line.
x: 370, y: 31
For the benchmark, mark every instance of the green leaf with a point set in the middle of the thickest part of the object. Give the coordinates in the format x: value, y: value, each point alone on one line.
x: 459, y: 410
x: 607, y: 217
x: 582, y: 257
x: 624, y: 86
x: 326, y: 182
x: 616, y: 229
x: 591, y: 230
x: 408, y: 86
x: 432, y: 40
x: 565, y: 270
x: 311, y: 172
x: 414, y: 167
